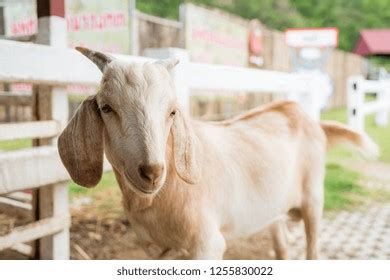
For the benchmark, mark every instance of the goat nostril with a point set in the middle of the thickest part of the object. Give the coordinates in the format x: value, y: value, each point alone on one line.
x: 151, y: 172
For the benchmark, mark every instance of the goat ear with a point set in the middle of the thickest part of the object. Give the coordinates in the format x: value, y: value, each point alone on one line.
x: 168, y: 63
x: 186, y: 150
x: 80, y: 145
x: 100, y: 59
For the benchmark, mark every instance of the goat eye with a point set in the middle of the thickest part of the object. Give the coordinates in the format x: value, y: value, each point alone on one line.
x: 173, y: 113
x: 106, y: 109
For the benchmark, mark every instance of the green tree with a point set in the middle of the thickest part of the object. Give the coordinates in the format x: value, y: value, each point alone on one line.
x: 350, y: 16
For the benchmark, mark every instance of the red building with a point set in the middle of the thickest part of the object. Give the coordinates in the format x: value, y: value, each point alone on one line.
x: 373, y: 42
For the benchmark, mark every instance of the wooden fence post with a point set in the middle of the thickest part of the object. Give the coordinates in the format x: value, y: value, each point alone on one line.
x: 52, y: 103
x: 317, y: 85
x: 133, y: 22
x: 179, y: 72
x: 355, y: 102
x: 382, y: 117
x: 7, y: 109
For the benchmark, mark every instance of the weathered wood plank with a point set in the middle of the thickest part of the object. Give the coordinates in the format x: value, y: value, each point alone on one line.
x: 6, y: 202
x: 51, y: 103
x: 220, y: 77
x: 40, y: 64
x: 38, y: 129
x: 374, y: 106
x: 22, y: 249
x: 20, y: 196
x: 53, y: 201
x: 32, y: 168
x: 15, y: 99
x: 34, y: 231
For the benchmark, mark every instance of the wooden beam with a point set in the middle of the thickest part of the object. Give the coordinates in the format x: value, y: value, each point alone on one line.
x: 22, y: 249
x: 32, y: 168
x: 41, y: 109
x: 53, y: 201
x: 22, y: 130
x: 20, y: 196
x: 47, y: 65
x: 51, y: 103
x: 374, y: 106
x: 15, y: 203
x: 15, y: 207
x: 34, y: 231
x: 15, y: 99
x: 2, y: 21
x: 47, y: 8
x: 229, y: 78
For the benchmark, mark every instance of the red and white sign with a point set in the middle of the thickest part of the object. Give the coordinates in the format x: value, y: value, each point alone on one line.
x: 312, y: 37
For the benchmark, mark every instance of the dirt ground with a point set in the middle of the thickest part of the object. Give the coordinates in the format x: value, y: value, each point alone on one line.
x: 113, y: 238
x: 360, y: 234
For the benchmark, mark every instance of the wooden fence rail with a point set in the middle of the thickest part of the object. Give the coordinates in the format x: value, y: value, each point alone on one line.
x: 358, y: 108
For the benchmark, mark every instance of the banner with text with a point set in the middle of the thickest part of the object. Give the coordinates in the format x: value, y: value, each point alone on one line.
x: 214, y: 36
x: 101, y: 25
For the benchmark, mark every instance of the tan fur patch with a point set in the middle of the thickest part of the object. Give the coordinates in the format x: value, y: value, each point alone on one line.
x: 336, y: 132
x: 289, y: 109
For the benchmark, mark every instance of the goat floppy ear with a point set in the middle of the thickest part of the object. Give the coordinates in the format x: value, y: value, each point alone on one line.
x: 81, y: 145
x: 186, y: 150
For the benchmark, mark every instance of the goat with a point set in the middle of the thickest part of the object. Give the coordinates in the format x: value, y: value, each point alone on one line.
x: 189, y: 185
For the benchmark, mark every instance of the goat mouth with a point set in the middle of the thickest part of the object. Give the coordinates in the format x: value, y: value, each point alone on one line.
x: 137, y: 189
x: 145, y: 192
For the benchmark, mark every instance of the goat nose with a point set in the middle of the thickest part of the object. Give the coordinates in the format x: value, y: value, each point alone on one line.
x: 150, y: 172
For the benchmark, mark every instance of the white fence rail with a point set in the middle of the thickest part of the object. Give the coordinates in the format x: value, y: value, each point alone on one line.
x: 37, y: 129
x: 358, y: 108
x: 53, y: 68
x: 303, y: 88
x: 32, y: 63
x: 45, y: 65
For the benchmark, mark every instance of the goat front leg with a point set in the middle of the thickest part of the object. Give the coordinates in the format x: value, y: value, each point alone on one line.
x: 278, y: 232
x: 312, y: 208
x: 212, y: 246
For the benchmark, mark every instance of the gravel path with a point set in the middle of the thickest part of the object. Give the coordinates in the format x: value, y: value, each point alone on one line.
x: 361, y: 235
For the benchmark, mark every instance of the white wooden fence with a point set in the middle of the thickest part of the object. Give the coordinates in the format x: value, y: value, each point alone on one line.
x: 358, y: 108
x: 54, y: 68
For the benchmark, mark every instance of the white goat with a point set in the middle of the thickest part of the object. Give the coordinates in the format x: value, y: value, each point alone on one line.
x: 187, y: 185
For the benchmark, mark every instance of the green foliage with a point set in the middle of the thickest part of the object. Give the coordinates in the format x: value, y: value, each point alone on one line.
x: 349, y: 16
x: 108, y: 180
x: 341, y: 188
x: 161, y: 8
x: 380, y: 61
x: 380, y: 135
x: 11, y: 145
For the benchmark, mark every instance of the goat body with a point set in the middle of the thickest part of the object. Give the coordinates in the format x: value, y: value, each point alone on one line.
x: 189, y: 185
x: 255, y: 168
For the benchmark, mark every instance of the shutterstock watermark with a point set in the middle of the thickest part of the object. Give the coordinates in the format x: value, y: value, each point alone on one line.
x: 172, y: 271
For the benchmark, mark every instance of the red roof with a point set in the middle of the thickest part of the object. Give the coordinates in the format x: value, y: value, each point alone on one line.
x: 373, y: 41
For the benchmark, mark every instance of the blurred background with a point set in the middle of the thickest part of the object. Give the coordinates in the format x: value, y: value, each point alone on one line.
x: 346, y: 42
